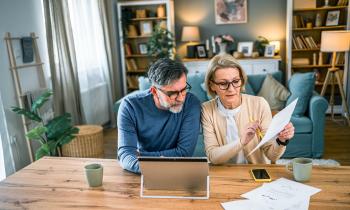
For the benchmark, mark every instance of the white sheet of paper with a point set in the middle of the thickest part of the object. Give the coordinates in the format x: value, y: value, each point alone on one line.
x: 278, y: 122
x: 242, y: 205
x: 282, y: 194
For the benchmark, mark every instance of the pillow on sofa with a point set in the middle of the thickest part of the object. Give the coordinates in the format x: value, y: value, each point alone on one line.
x: 301, y: 86
x: 274, y: 93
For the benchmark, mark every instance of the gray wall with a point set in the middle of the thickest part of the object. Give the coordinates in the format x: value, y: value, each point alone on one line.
x: 265, y: 18
x: 19, y: 17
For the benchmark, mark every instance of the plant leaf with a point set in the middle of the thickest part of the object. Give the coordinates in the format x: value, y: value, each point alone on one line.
x: 41, y: 152
x: 28, y: 114
x: 36, y: 133
x: 39, y: 102
x: 58, y: 126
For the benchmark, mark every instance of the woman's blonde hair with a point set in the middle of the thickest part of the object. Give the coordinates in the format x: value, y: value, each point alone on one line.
x: 219, y: 62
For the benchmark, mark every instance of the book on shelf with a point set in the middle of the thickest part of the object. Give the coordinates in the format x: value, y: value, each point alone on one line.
x: 131, y: 64
x: 132, y: 82
x: 342, y: 2
x: 300, y: 61
x: 127, y: 48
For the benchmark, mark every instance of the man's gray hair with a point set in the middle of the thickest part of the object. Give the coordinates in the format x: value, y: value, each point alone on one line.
x: 165, y: 71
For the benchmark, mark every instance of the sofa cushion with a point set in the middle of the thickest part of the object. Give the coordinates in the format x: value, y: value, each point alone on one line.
x: 301, y: 86
x: 195, y: 80
x: 248, y: 89
x: 274, y: 93
x: 302, y: 124
x: 257, y: 80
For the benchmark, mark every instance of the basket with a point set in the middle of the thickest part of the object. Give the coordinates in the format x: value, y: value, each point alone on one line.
x: 88, y: 143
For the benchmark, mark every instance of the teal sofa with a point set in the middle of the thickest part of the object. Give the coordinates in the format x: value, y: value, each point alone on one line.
x: 308, y: 140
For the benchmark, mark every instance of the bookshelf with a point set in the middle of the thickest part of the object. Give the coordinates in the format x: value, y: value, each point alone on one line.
x: 136, y: 21
x: 306, y: 19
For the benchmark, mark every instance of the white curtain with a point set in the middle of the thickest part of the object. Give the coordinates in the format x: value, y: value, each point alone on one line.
x: 91, y: 61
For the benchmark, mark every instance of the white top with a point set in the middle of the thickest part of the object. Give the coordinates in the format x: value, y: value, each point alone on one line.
x: 232, y: 130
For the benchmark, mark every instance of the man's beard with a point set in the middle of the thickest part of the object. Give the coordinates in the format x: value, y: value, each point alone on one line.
x: 174, y: 108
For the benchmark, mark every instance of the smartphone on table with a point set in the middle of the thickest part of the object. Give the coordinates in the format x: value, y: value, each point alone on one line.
x: 260, y: 175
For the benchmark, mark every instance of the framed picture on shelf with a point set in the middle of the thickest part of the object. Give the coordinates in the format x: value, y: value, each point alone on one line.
x: 143, y: 48
x: 269, y: 51
x: 230, y: 11
x: 146, y: 28
x: 246, y: 48
x: 332, y: 18
x: 201, y: 52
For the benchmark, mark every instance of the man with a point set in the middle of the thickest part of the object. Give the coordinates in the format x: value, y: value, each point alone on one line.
x: 161, y: 121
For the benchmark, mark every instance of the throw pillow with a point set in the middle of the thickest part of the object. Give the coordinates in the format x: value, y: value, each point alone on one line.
x: 301, y: 86
x: 274, y: 93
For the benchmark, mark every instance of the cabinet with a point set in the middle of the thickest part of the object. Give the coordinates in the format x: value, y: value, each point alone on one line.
x: 250, y: 65
x: 305, y: 22
x: 136, y: 21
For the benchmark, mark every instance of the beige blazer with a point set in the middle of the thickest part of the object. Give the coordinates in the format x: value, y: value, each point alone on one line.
x: 214, y: 130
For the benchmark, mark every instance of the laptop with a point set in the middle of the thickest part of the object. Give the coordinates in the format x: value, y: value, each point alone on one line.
x: 184, y: 177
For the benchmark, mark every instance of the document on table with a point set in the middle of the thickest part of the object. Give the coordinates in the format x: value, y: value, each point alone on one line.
x: 282, y: 194
x: 278, y: 122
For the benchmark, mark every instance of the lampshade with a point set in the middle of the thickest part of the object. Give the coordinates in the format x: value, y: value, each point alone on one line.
x: 190, y: 34
x: 335, y: 41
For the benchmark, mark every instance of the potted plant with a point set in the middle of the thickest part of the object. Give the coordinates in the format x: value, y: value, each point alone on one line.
x: 260, y: 45
x: 50, y: 135
x: 161, y: 44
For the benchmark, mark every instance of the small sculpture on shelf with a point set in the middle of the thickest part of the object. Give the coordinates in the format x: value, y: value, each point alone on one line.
x: 225, y: 43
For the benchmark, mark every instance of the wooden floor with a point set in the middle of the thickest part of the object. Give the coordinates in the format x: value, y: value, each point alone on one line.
x: 337, y: 142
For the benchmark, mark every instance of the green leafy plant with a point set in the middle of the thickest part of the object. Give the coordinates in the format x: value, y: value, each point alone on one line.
x: 161, y: 44
x: 53, y: 134
x: 260, y: 45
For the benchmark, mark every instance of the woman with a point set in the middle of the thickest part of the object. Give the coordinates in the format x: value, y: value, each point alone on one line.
x: 232, y: 121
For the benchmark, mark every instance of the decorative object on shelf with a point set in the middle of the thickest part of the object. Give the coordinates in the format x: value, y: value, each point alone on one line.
x: 140, y: 13
x: 255, y: 54
x: 309, y: 24
x: 143, y: 48
x: 314, y: 59
x: 269, y: 51
x: 320, y: 58
x: 27, y: 49
x: 52, y: 134
x: 132, y: 32
x: 332, y: 18
x: 260, y: 44
x: 201, y: 52
x: 127, y: 48
x: 230, y: 12
x: 277, y: 45
x: 335, y: 41
x: 318, y: 21
x: 326, y: 3
x: 146, y: 28
x: 238, y: 55
x: 161, y: 43
x: 190, y: 34
x: 246, y: 48
x: 161, y: 11
x: 225, y: 42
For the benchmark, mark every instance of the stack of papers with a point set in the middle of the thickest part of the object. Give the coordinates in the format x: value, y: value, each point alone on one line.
x: 282, y: 194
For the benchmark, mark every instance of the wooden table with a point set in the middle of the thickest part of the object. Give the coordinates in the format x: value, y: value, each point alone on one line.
x: 59, y: 183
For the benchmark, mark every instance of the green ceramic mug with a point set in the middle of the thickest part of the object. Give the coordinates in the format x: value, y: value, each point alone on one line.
x: 301, y: 168
x: 94, y: 174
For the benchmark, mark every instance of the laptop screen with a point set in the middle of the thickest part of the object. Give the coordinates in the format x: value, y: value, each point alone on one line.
x: 174, y: 173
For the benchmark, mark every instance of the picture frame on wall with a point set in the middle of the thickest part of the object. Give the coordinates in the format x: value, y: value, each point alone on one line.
x: 246, y: 48
x: 231, y: 11
x: 269, y: 51
x: 201, y: 52
x: 146, y: 28
x: 143, y: 48
x: 333, y: 18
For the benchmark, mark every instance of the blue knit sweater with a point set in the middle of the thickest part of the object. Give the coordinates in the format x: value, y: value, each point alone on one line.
x: 151, y: 131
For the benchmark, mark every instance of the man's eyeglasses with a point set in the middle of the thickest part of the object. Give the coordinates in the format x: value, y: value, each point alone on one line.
x: 226, y: 85
x: 175, y: 94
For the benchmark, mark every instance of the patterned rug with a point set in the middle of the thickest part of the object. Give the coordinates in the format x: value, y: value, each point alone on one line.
x: 317, y: 162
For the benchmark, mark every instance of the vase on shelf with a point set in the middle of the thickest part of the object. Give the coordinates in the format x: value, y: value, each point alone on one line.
x: 222, y: 48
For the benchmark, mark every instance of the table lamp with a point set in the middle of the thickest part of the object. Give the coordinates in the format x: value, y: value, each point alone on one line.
x: 190, y: 34
x: 335, y: 41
